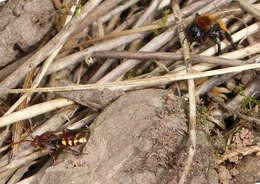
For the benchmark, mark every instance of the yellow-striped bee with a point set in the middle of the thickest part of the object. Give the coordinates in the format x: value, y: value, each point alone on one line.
x: 63, y: 141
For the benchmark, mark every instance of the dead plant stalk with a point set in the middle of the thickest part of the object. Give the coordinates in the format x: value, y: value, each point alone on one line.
x: 34, y: 110
x: 191, y: 89
x: 141, y: 83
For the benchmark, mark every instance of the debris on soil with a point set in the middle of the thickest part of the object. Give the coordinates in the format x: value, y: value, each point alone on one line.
x: 244, y: 137
x: 244, y: 170
x: 224, y: 175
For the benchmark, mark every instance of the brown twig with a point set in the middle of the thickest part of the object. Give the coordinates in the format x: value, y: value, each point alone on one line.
x: 166, y: 56
x: 121, y: 33
x: 103, y: 69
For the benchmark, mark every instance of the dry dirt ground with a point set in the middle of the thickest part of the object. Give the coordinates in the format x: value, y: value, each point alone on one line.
x: 142, y: 137
x: 22, y: 25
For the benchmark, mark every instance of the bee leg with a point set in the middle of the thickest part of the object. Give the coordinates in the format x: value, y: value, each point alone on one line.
x: 81, y: 149
x: 218, y: 40
x: 229, y: 38
x: 68, y: 149
x: 51, y: 153
x: 215, y: 35
x: 73, y: 151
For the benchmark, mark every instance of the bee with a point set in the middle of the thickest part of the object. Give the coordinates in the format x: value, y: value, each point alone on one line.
x: 63, y: 141
x: 208, y: 26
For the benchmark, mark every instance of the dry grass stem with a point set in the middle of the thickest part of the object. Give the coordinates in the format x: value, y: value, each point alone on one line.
x: 19, y: 126
x: 119, y: 9
x: 34, y: 110
x: 218, y: 80
x: 249, y: 8
x: 141, y: 83
x: 56, y: 121
x: 191, y: 90
x: 107, y: 45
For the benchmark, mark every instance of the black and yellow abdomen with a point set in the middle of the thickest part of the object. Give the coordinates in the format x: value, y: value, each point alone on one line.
x: 73, y: 138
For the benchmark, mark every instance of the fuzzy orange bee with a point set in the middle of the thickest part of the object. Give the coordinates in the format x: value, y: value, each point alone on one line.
x: 208, y: 26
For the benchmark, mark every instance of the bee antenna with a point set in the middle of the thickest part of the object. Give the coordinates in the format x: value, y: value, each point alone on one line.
x: 21, y: 141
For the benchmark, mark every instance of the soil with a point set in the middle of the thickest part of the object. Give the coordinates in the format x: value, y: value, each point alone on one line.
x: 23, y: 24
